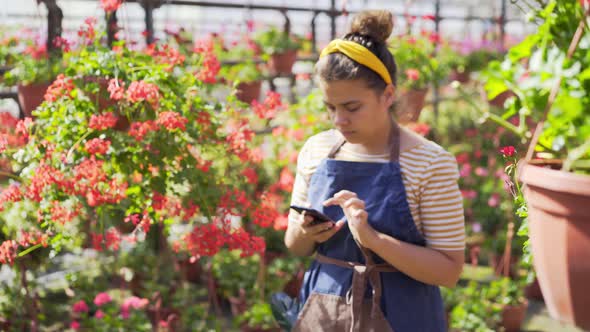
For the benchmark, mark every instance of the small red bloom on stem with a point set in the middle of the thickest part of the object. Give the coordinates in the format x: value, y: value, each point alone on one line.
x: 508, y: 151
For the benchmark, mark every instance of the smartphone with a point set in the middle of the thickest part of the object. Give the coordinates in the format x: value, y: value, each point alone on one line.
x: 317, y: 215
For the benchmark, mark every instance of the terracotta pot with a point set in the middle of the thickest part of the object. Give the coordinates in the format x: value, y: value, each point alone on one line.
x: 282, y: 63
x: 247, y: 92
x: 559, y: 229
x: 462, y: 77
x: 31, y: 96
x: 409, y: 105
x: 513, y: 316
x: 499, y: 100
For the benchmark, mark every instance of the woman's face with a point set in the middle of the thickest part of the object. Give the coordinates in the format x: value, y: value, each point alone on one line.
x: 359, y: 113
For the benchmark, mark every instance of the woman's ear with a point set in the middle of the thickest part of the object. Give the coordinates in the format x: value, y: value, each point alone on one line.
x: 388, y: 95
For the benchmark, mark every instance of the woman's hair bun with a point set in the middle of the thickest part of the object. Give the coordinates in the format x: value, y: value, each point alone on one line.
x: 377, y: 24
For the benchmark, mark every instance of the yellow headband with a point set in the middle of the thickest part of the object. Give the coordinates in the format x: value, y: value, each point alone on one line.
x: 360, y: 54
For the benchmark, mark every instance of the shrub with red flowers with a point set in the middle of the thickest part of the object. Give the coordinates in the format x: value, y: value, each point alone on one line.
x: 122, y: 140
x: 105, y: 313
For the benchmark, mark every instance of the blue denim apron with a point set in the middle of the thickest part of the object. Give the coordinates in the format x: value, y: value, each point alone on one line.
x: 407, y: 304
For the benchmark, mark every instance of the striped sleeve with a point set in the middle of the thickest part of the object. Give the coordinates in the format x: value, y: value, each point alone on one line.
x: 441, y: 204
x: 299, y: 193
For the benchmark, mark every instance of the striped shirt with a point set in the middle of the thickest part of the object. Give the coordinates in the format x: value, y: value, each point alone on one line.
x: 429, y: 174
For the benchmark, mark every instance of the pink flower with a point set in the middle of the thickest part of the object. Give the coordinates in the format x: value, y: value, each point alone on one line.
x: 480, y: 171
x: 465, y: 170
x: 494, y: 200
x: 80, y: 306
x: 476, y: 227
x: 99, y: 314
x: 74, y: 325
x: 110, y: 5
x: 508, y: 151
x: 133, y: 302
x: 116, y: 89
x: 97, y: 146
x: 469, y: 194
x: 413, y: 74
x: 102, y: 298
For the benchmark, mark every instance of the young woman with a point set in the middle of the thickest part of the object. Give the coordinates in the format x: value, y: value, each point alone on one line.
x: 398, y: 229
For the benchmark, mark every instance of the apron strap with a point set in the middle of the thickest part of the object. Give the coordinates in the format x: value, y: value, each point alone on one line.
x: 336, y: 147
x: 361, y: 273
x: 394, y: 141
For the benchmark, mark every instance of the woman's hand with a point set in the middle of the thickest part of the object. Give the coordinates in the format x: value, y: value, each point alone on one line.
x: 318, y: 232
x: 354, y: 210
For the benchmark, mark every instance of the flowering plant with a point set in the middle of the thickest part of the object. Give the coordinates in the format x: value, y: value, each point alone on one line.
x: 34, y: 64
x: 106, y: 313
x: 417, y: 65
x: 239, y: 61
x: 274, y: 41
x: 137, y: 145
x: 532, y: 68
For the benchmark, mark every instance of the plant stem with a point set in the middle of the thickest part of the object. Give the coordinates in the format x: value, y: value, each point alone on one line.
x: 77, y: 143
x: 10, y: 175
x: 28, y: 250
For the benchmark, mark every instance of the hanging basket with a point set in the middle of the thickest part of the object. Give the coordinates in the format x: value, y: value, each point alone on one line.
x: 282, y: 63
x: 409, y: 105
x: 559, y: 229
x: 248, y: 91
x: 31, y: 96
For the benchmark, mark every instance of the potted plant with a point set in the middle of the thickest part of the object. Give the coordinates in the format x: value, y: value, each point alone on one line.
x: 418, y: 69
x: 258, y: 318
x: 34, y: 69
x: 547, y: 74
x: 240, y: 69
x: 280, y: 47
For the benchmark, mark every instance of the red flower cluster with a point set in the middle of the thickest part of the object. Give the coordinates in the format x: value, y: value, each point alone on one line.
x: 97, y: 146
x: 91, y: 181
x: 44, y: 176
x: 110, y: 6
x: 116, y: 89
x: 60, y: 87
x: 238, y: 139
x: 165, y: 54
x: 269, y: 108
x: 62, y: 214
x: 87, y: 32
x: 248, y: 244
x: 142, y: 91
x: 234, y: 202
x: 508, y: 151
x: 413, y: 74
x: 8, y: 252
x: 207, y: 240
x: 210, y: 67
x: 102, y: 121
x: 140, y: 129
x: 172, y: 120
x: 37, y: 52
x: 62, y: 43
x: 22, y: 127
x: 10, y: 194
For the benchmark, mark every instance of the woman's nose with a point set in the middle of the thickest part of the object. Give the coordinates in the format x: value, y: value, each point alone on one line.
x: 340, y: 118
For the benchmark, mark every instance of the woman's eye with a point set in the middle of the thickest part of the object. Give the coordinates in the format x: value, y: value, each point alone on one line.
x: 353, y: 109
